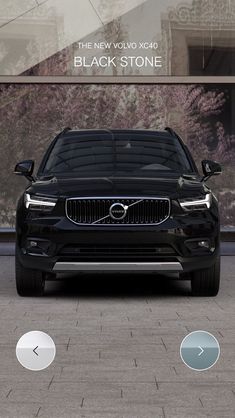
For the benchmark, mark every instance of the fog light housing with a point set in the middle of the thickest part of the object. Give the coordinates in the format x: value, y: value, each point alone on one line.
x: 200, y: 246
x: 33, y: 244
x: 37, y: 246
x: 204, y: 244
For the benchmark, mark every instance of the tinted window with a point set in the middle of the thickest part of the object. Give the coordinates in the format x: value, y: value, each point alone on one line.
x: 205, y: 61
x: 110, y: 153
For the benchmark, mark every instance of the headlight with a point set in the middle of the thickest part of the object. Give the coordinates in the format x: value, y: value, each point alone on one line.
x: 39, y: 202
x: 197, y: 203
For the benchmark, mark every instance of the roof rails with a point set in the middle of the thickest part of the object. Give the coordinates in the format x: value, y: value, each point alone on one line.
x: 171, y: 131
x: 64, y: 131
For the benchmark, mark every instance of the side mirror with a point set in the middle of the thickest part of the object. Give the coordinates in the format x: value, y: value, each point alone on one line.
x: 210, y: 168
x: 25, y: 168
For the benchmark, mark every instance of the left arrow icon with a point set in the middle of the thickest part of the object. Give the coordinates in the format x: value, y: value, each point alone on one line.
x: 34, y: 350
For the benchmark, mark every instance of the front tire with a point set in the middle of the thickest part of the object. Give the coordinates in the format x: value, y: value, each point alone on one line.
x: 206, y: 282
x: 29, y: 282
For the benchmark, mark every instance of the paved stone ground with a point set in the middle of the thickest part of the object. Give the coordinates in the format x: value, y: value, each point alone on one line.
x: 118, y: 342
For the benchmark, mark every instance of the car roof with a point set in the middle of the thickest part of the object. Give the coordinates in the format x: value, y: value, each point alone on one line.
x: 77, y: 132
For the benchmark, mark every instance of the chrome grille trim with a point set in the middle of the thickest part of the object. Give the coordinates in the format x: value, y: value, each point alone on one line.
x: 99, y: 209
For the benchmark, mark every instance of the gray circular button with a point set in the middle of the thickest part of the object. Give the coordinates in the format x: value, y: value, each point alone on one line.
x: 35, y: 350
x: 199, y: 350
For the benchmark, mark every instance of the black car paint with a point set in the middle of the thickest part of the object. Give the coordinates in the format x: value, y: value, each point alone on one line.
x: 176, y: 231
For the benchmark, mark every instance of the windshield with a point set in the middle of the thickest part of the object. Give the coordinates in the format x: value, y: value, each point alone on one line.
x: 108, y: 153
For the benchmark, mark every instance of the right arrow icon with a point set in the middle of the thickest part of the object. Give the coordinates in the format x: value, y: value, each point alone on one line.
x: 201, y: 350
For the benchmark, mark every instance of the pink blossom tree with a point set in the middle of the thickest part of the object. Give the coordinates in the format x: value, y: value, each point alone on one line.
x: 31, y: 115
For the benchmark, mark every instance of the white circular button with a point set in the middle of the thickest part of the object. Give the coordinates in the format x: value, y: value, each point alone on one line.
x: 200, y: 350
x: 35, y: 350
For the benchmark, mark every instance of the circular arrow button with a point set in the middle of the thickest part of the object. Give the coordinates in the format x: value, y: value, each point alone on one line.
x: 200, y: 350
x: 35, y: 350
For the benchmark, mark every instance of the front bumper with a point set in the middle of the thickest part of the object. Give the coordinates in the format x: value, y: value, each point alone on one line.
x: 177, y: 234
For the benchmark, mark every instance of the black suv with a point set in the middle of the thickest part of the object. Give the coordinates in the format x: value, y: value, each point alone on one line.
x: 117, y: 201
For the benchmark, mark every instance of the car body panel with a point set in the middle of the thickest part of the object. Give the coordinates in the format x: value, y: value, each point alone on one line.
x: 177, y: 233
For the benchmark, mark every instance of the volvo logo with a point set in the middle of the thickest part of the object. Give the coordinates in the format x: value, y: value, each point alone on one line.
x: 118, y: 211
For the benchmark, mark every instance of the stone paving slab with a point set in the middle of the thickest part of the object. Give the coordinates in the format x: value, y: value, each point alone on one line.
x: 117, y: 349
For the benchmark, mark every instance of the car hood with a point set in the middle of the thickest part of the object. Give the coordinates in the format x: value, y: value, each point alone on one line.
x: 174, y: 186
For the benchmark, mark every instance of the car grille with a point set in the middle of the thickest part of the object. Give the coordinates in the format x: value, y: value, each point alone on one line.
x: 115, y: 252
x: 97, y: 211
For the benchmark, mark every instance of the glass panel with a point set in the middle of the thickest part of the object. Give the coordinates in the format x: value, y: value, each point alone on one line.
x: 117, y: 37
x: 116, y: 153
